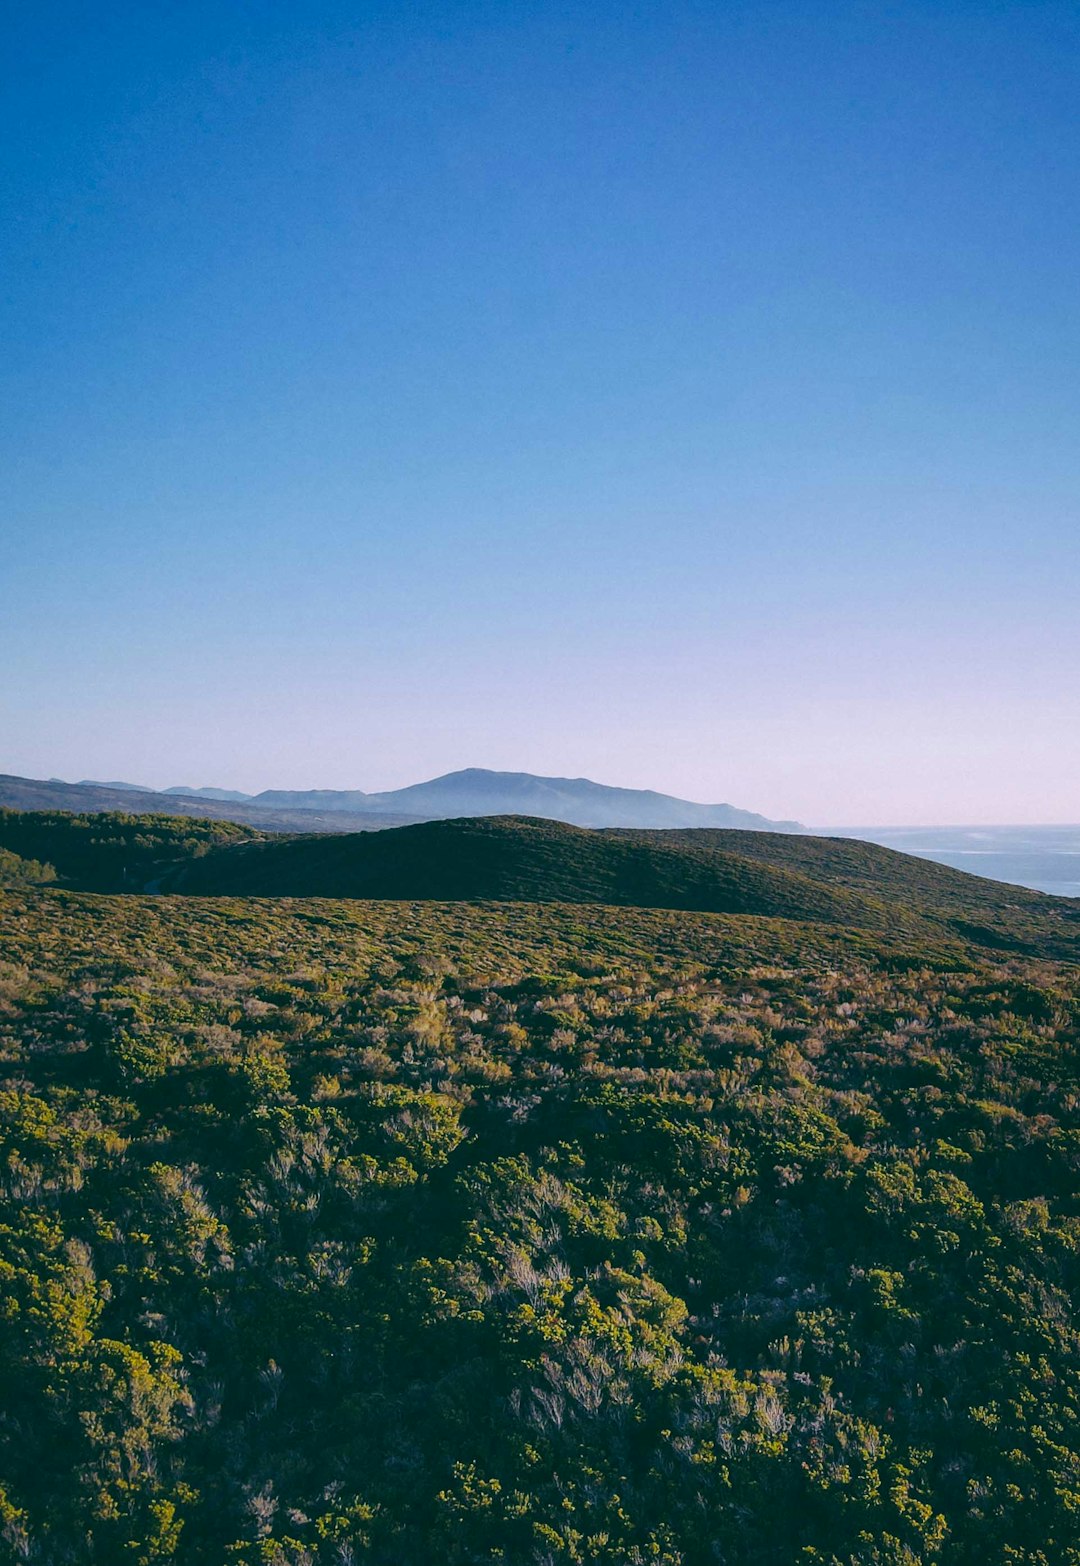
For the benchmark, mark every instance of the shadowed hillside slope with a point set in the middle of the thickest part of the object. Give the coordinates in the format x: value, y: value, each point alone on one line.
x: 111, y: 851
x: 509, y: 858
x: 772, y: 875
x: 852, y: 862
x: 837, y: 881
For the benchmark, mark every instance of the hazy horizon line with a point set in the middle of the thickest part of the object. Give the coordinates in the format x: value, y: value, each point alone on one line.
x: 823, y: 827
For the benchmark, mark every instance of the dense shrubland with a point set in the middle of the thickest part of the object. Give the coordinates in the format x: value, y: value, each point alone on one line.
x: 403, y: 1233
x: 16, y: 870
x: 110, y: 852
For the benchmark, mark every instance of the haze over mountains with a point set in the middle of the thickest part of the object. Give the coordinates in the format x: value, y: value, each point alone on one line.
x: 474, y: 791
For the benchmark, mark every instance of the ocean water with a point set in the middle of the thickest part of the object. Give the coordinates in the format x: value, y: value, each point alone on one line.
x: 1046, y: 859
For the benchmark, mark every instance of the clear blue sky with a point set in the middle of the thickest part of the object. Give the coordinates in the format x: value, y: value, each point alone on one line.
x: 685, y: 395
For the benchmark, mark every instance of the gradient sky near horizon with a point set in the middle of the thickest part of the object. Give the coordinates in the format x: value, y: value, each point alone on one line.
x: 682, y: 395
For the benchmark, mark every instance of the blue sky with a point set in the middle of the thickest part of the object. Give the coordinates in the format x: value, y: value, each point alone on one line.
x: 682, y: 395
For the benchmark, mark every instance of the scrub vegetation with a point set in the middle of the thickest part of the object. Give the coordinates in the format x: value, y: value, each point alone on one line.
x: 410, y: 1231
x: 112, y: 852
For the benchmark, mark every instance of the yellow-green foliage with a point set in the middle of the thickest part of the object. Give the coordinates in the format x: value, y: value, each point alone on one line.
x: 15, y: 870
x: 400, y: 1233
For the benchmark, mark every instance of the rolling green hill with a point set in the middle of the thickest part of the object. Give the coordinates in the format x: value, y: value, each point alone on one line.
x: 713, y: 871
x: 993, y: 913
x: 836, y: 881
x: 516, y: 859
x: 853, y: 863
x: 113, y: 851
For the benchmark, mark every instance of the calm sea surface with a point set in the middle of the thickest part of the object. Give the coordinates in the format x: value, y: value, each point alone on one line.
x: 1047, y: 859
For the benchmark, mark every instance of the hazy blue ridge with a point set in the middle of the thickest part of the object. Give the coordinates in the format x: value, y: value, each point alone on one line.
x: 476, y: 791
x: 471, y: 792
x: 228, y: 795
x: 133, y: 788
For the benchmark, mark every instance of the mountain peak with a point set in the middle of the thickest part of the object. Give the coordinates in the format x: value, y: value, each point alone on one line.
x: 470, y: 791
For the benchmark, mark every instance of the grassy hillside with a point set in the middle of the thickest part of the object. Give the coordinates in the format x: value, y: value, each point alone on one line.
x: 341, y: 1232
x: 113, y: 851
x: 770, y: 874
x: 853, y: 863
x: 511, y: 859
x: 518, y: 859
x: 991, y: 912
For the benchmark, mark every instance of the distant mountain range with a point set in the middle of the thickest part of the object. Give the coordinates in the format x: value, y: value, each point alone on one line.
x: 472, y: 792
x: 91, y: 798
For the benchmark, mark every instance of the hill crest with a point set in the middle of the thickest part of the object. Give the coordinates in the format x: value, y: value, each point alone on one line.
x: 773, y: 875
